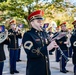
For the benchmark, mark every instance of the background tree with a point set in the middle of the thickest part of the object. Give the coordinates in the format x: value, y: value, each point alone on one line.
x: 56, y: 10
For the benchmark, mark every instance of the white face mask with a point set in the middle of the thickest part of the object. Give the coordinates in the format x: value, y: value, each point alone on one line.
x: 37, y: 24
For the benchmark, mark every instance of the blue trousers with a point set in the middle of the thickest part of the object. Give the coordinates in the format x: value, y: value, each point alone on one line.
x: 63, y: 61
x: 74, y: 68
x: 13, y: 56
x: 70, y: 52
x: 18, y: 52
x: 1, y: 67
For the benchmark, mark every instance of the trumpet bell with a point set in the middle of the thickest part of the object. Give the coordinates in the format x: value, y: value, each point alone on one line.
x: 3, y: 36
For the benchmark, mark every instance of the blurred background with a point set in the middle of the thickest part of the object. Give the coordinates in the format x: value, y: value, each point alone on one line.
x: 56, y: 11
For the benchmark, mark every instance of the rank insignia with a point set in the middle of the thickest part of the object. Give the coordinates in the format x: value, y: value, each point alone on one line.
x: 74, y: 44
x: 28, y: 45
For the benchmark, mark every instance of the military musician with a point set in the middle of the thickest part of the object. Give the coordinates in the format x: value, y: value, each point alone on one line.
x: 73, y: 45
x: 36, y: 46
x: 3, y: 40
x: 63, y: 45
x: 13, y: 45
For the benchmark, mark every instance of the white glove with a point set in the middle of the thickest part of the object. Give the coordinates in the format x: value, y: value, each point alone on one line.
x: 52, y: 45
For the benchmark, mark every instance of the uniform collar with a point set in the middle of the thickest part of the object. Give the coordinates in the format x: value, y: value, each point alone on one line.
x: 63, y: 31
x: 12, y: 30
x: 34, y: 30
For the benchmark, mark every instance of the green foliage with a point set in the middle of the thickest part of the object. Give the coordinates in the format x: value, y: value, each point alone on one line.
x: 20, y: 9
x: 57, y: 1
x: 3, y: 0
x: 58, y: 22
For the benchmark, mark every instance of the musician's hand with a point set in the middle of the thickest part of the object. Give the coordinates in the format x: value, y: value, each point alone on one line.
x: 66, y: 42
x: 52, y: 45
x: 51, y: 35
